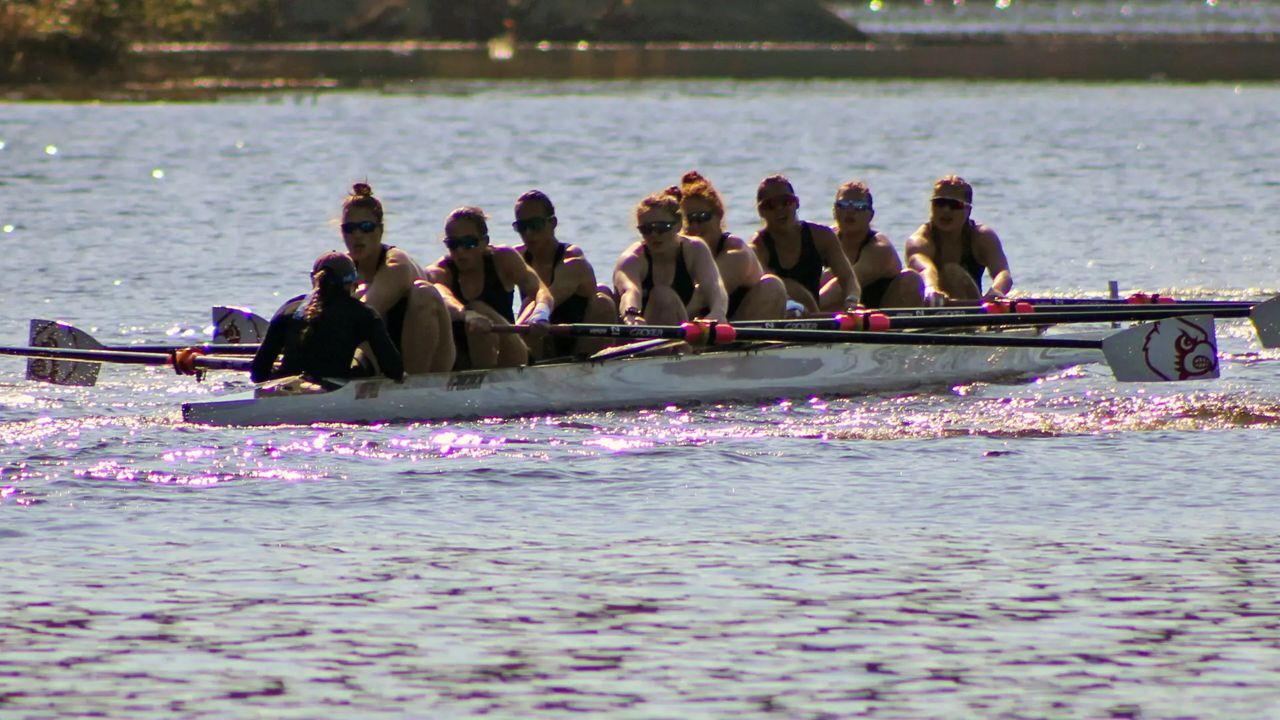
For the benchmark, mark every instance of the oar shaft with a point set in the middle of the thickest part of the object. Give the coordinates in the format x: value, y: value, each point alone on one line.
x: 725, y: 333
x: 127, y: 357
x: 896, y: 338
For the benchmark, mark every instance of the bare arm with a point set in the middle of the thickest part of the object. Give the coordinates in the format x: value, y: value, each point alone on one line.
x: 739, y: 264
x: 988, y: 251
x: 920, y: 258
x: 706, y: 277
x: 627, y: 274
x: 392, y: 282
x: 833, y: 256
x: 538, y: 299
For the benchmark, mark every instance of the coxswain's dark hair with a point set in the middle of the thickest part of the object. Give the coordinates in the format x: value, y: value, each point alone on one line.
x: 328, y: 287
x: 362, y: 197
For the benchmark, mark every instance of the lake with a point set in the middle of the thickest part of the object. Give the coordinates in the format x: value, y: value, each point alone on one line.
x: 1069, y: 547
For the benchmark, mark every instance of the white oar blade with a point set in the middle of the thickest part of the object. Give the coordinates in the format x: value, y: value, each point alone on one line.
x: 237, y: 325
x: 1181, y: 348
x: 51, y: 334
x: 1266, y: 320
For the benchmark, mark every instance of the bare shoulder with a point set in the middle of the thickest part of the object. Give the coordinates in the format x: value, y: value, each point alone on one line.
x: 573, y: 251
x: 823, y: 233
x: 734, y: 243
x: 985, y: 233
x: 919, y: 242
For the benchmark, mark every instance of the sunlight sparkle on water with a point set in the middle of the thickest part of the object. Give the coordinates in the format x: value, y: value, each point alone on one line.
x: 50, y: 149
x: 8, y: 228
x: 158, y: 174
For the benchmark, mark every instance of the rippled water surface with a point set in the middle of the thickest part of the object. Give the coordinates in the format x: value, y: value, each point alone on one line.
x: 1069, y: 547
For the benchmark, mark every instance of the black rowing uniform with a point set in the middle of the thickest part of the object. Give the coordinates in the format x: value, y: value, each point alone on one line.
x: 572, y: 309
x: 492, y: 294
x: 873, y: 292
x: 739, y: 293
x: 328, y: 348
x: 807, y: 271
x: 681, y: 281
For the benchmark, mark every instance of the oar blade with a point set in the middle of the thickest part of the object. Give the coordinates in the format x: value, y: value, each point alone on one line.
x: 237, y: 325
x: 52, y: 334
x: 1266, y: 320
x: 1181, y: 348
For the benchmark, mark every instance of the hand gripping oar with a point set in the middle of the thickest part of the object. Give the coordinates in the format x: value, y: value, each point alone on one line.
x: 1180, y: 348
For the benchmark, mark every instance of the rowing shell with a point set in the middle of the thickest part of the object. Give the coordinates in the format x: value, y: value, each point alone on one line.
x: 759, y: 372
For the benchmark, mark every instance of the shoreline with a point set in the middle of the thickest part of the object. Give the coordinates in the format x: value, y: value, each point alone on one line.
x: 154, y: 71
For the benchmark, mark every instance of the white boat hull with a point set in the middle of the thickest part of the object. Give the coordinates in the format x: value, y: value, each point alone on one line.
x: 767, y: 372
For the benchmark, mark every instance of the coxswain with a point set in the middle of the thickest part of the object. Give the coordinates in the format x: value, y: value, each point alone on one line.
x: 319, y: 334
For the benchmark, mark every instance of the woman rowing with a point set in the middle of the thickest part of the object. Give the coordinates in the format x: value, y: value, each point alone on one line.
x: 753, y: 294
x: 876, y: 264
x: 478, y: 281
x: 951, y: 251
x: 319, y: 335
x: 797, y: 251
x: 395, y: 285
x: 657, y: 278
x: 567, y: 274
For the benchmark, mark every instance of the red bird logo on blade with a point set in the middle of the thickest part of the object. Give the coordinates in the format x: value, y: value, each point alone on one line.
x: 1193, y: 353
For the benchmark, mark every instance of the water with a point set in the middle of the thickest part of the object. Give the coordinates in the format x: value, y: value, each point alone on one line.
x: 1070, y: 547
x: 1087, y: 17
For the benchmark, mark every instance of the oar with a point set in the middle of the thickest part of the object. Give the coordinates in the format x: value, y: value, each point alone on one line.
x: 51, y: 333
x: 174, y: 359
x: 1265, y: 316
x: 1178, y: 348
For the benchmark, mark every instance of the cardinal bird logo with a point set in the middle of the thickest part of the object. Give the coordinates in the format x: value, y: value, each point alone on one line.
x: 1191, y: 355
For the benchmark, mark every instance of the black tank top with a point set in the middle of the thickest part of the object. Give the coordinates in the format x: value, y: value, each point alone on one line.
x: 808, y: 268
x: 870, y: 238
x: 492, y: 294
x: 968, y: 260
x: 681, y: 282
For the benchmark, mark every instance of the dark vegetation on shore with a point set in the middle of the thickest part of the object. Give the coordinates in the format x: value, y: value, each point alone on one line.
x: 51, y: 41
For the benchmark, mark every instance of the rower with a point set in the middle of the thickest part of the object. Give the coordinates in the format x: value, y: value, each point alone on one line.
x: 478, y: 282
x: 951, y: 251
x: 319, y: 333
x: 567, y: 274
x: 753, y: 294
x: 658, y: 276
x: 394, y: 284
x: 797, y: 251
x: 884, y: 282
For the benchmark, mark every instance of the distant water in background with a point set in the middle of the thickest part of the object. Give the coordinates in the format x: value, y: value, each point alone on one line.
x: 1220, y: 17
x: 1069, y: 547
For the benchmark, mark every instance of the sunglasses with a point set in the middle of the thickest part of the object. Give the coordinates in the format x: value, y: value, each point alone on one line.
x: 655, y: 228
x: 853, y: 205
x: 466, y: 242
x: 364, y: 226
x: 532, y: 224
x: 700, y: 217
x: 949, y: 203
x: 781, y: 201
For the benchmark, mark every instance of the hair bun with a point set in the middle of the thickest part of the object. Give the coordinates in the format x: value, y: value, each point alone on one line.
x: 691, y: 177
x: 675, y: 192
x: 362, y: 190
